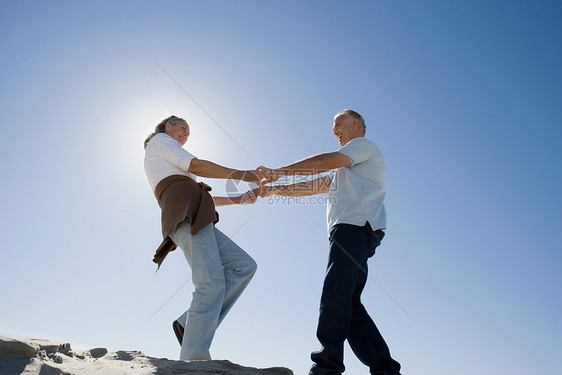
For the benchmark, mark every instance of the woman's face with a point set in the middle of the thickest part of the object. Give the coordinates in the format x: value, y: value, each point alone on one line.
x: 179, y: 131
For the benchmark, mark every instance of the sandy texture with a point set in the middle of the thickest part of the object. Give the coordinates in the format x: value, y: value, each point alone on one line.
x: 43, y: 357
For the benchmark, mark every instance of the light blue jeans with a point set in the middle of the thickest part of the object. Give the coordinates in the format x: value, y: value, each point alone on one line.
x: 221, y: 270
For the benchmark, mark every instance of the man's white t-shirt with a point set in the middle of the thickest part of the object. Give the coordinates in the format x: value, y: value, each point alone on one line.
x: 357, y: 191
x: 164, y: 157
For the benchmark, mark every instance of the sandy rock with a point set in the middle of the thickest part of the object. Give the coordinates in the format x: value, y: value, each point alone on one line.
x: 57, y: 358
x: 43, y: 357
x: 98, y: 352
x: 16, y: 348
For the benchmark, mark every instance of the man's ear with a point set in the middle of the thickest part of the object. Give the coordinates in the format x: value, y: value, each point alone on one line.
x: 356, y: 125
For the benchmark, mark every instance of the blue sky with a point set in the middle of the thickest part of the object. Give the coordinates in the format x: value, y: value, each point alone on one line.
x: 463, y: 98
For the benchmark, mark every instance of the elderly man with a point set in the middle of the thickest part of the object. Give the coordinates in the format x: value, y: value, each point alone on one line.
x: 356, y: 224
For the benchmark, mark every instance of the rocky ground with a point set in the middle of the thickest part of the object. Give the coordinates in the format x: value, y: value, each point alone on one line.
x: 43, y: 357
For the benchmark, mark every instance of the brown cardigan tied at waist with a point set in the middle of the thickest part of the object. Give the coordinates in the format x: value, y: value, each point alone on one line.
x: 180, y: 197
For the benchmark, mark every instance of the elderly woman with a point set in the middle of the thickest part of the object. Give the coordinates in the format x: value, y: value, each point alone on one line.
x: 221, y: 270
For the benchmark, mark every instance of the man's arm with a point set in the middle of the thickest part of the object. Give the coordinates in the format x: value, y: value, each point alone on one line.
x: 310, y: 166
x: 300, y: 189
x: 205, y: 168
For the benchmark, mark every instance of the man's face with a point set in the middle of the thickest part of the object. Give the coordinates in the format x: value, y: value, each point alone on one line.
x: 345, y: 129
x: 179, y: 131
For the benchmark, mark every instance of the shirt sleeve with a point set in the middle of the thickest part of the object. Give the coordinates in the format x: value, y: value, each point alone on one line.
x: 168, y: 149
x: 358, y: 150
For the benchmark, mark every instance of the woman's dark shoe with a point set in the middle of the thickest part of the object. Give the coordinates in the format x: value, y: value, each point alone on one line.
x: 178, y: 330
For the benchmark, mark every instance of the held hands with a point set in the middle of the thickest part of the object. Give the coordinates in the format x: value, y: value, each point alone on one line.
x: 258, y: 175
x: 262, y: 176
x: 266, y: 191
x: 249, y: 197
x: 270, y: 175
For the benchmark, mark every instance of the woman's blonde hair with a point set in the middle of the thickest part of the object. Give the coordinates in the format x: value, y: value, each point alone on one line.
x: 161, y: 127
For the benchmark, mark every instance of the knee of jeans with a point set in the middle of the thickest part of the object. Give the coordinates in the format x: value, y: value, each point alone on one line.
x: 253, y: 267
x: 245, y: 271
x: 249, y: 270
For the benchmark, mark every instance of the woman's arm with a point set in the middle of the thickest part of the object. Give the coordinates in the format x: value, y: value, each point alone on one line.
x: 248, y: 197
x: 205, y: 168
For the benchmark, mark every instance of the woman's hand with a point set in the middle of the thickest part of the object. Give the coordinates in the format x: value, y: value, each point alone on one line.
x: 270, y: 175
x: 249, y: 197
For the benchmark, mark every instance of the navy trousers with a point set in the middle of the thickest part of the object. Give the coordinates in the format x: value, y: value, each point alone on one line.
x: 342, y: 315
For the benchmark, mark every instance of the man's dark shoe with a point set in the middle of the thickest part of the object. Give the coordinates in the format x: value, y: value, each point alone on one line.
x: 178, y: 330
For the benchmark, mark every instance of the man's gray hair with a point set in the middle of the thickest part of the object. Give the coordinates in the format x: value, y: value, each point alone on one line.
x: 356, y: 116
